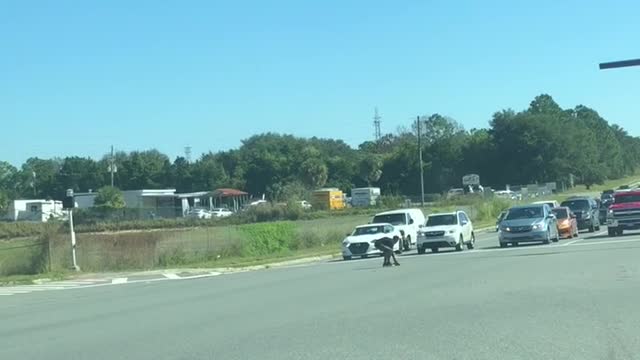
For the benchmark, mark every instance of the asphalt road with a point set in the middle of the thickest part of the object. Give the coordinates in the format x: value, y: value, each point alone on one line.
x: 577, y: 299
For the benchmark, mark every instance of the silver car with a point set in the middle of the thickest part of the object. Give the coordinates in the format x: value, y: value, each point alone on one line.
x: 528, y: 223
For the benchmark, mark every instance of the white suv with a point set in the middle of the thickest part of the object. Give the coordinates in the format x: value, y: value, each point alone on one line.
x: 408, y: 221
x: 361, y: 241
x: 446, y: 230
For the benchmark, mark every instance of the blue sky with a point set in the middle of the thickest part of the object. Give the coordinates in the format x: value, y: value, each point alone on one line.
x: 79, y: 76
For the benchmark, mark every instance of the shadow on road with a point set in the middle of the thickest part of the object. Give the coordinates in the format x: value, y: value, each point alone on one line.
x: 606, y: 236
x: 525, y: 245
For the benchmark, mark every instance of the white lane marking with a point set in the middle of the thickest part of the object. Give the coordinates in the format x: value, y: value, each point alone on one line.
x: 32, y: 288
x: 171, y: 276
x: 607, y: 242
x: 572, y: 242
x: 119, y: 280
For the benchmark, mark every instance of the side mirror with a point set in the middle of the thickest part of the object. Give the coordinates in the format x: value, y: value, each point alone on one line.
x: 464, y: 222
x: 348, y: 234
x: 411, y: 221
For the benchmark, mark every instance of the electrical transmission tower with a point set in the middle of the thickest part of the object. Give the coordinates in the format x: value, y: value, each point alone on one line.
x: 376, y: 125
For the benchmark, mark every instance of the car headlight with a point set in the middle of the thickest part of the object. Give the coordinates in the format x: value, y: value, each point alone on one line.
x: 537, y: 226
x: 586, y: 215
x: 345, y: 243
x: 452, y: 231
x: 506, y: 228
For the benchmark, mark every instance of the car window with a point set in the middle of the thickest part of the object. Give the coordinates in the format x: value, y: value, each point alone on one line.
x: 393, y: 219
x: 525, y: 213
x: 561, y: 213
x: 626, y: 198
x: 576, y: 205
x: 436, y: 220
x: 368, y: 230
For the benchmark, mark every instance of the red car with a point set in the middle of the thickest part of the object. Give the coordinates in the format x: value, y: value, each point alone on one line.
x: 567, y: 223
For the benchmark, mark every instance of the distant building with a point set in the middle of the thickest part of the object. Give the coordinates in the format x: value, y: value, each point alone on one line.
x: 152, y: 202
x: 166, y: 203
x: 34, y: 210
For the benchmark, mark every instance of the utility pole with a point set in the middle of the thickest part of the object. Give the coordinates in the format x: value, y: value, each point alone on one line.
x: 112, y: 166
x: 418, y: 125
x: 68, y: 204
x: 33, y: 183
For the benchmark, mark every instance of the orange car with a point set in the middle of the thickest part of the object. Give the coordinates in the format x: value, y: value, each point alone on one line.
x: 567, y: 223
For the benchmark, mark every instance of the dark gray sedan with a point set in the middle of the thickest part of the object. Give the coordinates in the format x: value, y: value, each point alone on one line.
x: 528, y: 223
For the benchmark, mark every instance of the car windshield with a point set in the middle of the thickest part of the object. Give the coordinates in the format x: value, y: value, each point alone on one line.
x: 525, y: 213
x: 627, y: 198
x: 368, y: 230
x: 561, y: 213
x: 393, y: 219
x: 576, y: 204
x: 436, y: 220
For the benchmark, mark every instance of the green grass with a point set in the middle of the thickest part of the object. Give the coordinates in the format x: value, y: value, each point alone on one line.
x: 233, y: 262
x: 12, y: 280
x: 610, y: 184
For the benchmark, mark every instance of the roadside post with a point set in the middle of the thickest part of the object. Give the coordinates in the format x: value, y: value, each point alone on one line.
x: 68, y: 204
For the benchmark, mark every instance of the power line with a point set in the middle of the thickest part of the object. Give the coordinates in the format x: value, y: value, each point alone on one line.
x: 619, y: 64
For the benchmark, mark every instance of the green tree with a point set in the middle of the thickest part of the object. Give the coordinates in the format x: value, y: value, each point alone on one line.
x: 4, y: 202
x: 370, y: 169
x: 209, y: 173
x: 109, y: 197
x: 314, y: 172
x: 8, y: 177
x: 79, y: 174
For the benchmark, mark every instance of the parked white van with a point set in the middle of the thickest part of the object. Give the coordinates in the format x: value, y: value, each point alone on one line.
x: 408, y: 221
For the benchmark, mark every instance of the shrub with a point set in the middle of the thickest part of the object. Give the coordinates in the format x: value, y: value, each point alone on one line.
x: 266, y: 239
x: 390, y: 201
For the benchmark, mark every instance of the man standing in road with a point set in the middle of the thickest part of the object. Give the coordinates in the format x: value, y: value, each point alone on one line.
x: 386, y: 246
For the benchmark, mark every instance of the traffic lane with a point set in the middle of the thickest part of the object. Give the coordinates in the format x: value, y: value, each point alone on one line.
x: 486, y: 240
x: 521, y: 303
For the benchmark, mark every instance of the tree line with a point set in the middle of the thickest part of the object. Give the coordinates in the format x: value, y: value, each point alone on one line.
x: 539, y: 144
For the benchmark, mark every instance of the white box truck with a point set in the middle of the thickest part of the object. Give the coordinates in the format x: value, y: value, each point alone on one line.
x: 363, y: 197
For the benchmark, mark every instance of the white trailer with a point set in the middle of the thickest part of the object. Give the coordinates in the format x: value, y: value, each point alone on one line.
x: 363, y: 197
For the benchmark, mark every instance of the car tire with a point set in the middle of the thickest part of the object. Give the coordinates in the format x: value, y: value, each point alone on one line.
x: 346, y: 258
x: 471, y: 244
x: 598, y: 227
x: 421, y: 250
x: 434, y: 250
x: 612, y: 232
x: 364, y: 256
x: 460, y: 244
x: 592, y: 228
x: 619, y: 232
x: 503, y: 245
x: 515, y: 243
